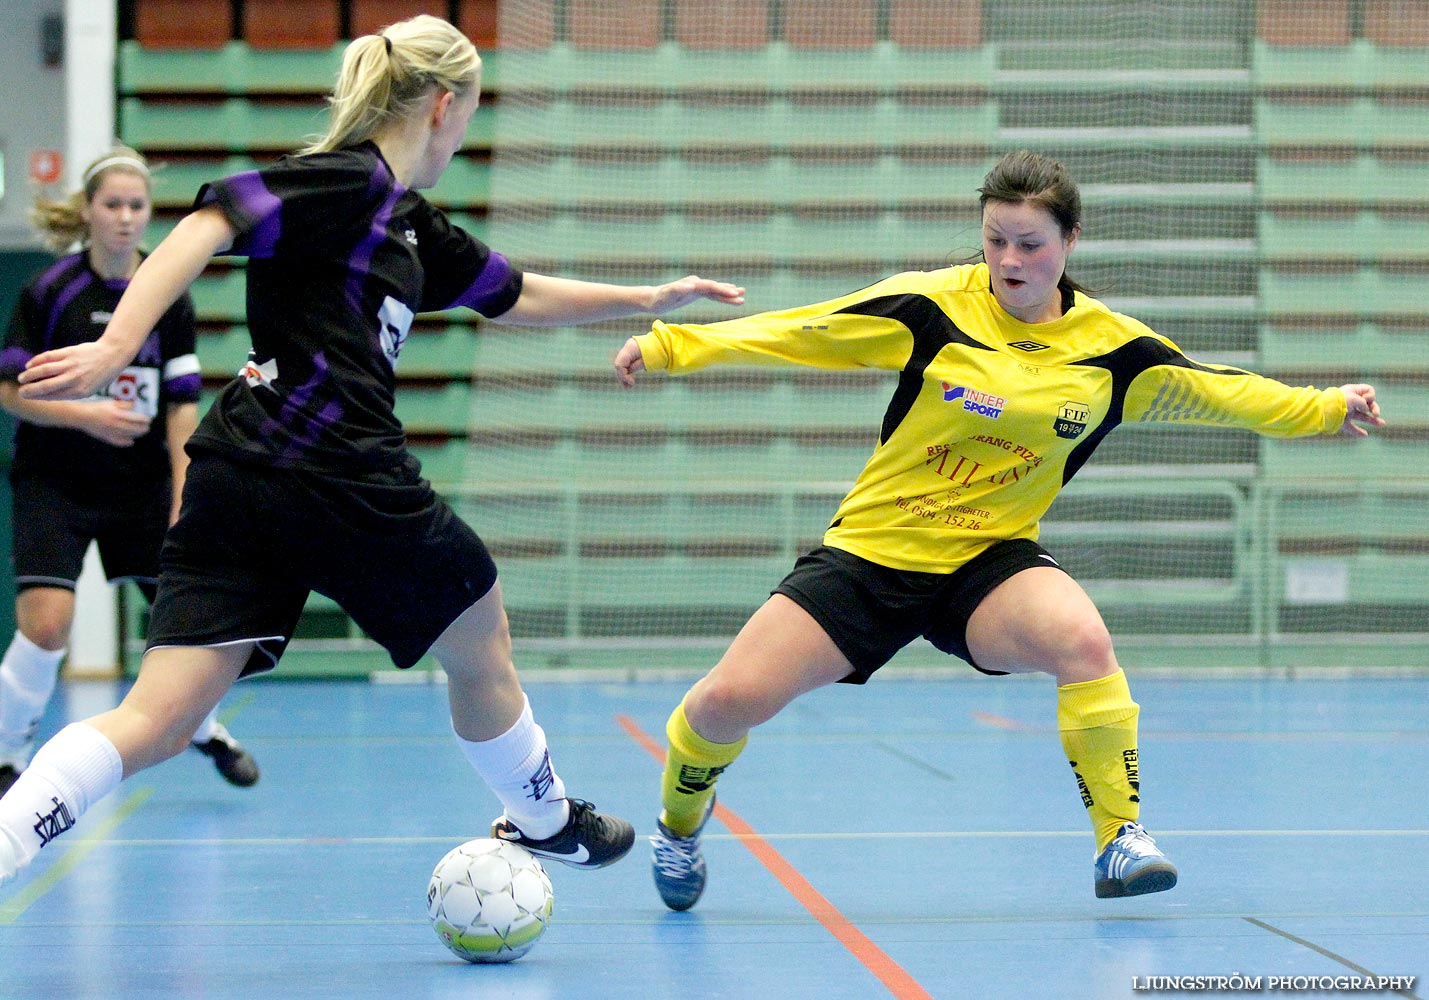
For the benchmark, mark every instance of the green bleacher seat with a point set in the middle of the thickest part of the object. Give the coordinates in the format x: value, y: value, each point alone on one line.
x: 465, y: 183
x: 235, y: 124
x: 176, y: 182
x: 681, y: 404
x: 823, y: 179
x: 766, y: 288
x: 678, y: 581
x: 1350, y: 122
x: 1364, y: 179
x: 440, y: 408
x: 775, y: 123
x: 552, y: 523
x: 1371, y: 532
x: 1349, y: 346
x: 1175, y: 141
x: 502, y: 350
x: 243, y: 125
x: 1361, y: 235
x: 737, y: 239
x: 1374, y: 514
x: 1359, y: 65
x: 444, y: 461
x: 221, y: 353
x: 1359, y: 291
x: 1376, y: 580
x: 219, y: 295
x: 669, y: 461
x: 773, y: 68
x: 235, y: 69
x: 238, y: 68
x: 449, y: 351
x: 1390, y: 455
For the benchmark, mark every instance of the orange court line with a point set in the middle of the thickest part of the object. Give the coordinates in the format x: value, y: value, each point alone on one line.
x: 874, y: 959
x: 999, y: 721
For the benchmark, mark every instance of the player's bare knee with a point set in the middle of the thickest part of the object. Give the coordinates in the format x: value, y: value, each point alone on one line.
x: 725, y: 705
x: 48, y: 632
x: 1081, y: 651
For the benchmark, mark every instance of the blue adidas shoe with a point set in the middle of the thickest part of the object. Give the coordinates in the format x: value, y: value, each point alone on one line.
x: 678, y: 864
x: 1132, y: 865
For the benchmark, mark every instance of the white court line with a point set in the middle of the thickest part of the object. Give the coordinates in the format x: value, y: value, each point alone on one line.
x: 880, y: 835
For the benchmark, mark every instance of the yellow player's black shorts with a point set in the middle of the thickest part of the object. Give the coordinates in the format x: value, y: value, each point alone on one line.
x: 872, y: 611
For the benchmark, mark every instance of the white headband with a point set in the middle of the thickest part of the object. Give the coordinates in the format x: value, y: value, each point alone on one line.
x: 115, y: 161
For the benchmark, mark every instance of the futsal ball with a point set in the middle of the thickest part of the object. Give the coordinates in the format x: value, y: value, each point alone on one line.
x: 489, y: 901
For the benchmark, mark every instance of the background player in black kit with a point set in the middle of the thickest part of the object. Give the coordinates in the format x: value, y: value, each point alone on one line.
x: 107, y: 469
x: 300, y: 478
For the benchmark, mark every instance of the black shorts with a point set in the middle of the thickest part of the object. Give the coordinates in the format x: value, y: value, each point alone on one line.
x: 54, y: 524
x: 871, y: 611
x: 253, y: 540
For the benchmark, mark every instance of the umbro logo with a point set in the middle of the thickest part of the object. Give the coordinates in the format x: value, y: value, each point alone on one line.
x: 411, y: 235
x: 1027, y: 345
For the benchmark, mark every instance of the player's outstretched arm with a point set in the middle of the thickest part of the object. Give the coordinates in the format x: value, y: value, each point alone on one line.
x: 1361, y: 408
x: 82, y: 369
x: 551, y: 301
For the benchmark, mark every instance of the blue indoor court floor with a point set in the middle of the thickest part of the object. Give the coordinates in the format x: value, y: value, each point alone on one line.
x: 913, y: 838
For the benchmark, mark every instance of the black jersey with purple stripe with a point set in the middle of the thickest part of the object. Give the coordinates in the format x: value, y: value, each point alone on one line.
x: 341, y: 257
x: 69, y: 303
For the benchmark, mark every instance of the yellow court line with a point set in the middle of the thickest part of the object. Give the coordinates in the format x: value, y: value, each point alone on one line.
x: 238, y: 705
x: 12, y: 908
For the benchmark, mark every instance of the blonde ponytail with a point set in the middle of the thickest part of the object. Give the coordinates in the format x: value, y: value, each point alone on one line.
x: 385, y: 77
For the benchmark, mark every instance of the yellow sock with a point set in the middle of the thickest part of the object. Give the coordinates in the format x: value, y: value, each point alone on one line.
x: 1097, y: 720
x: 691, y: 766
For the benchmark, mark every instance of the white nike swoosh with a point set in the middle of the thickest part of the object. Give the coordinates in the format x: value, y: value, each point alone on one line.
x: 578, y: 856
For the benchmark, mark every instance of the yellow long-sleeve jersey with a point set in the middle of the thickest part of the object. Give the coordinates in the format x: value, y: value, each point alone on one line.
x: 991, y: 416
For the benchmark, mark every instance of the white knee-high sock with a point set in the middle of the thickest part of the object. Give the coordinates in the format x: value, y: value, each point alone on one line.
x: 71, y: 772
x: 208, y: 728
x: 27, y: 679
x: 517, y: 766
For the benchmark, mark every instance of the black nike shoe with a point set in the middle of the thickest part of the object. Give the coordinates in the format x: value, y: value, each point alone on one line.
x: 230, y: 758
x: 588, y: 840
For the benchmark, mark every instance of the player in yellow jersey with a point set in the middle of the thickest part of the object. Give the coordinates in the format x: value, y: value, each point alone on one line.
x: 1010, y: 375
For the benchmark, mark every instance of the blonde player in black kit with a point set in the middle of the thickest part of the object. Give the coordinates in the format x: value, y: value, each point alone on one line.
x: 107, y: 470
x: 300, y: 479
x: 1009, y: 376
